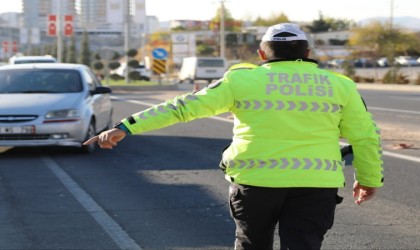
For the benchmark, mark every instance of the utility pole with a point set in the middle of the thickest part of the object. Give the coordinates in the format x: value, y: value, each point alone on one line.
x: 222, y: 28
x: 391, y: 16
x: 59, y: 37
x: 127, y: 20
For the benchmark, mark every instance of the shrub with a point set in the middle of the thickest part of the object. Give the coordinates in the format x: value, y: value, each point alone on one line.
x: 98, y: 65
x: 363, y: 79
x: 393, y: 76
x: 357, y: 78
x: 116, y: 77
x: 132, y: 52
x: 114, y: 65
x: 417, y: 81
x: 348, y: 68
x: 134, y: 75
x: 402, y: 79
x: 133, y: 63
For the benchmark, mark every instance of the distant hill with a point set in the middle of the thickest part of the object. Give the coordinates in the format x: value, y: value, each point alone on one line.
x: 408, y: 22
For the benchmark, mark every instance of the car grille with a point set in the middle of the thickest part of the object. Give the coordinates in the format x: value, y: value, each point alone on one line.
x: 17, y: 118
x: 13, y: 137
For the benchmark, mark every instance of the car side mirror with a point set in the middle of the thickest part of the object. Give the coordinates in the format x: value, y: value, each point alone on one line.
x: 101, y: 90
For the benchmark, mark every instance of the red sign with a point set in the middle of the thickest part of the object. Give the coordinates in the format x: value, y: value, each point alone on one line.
x: 68, y: 18
x: 52, y: 18
x: 68, y: 25
x: 14, y: 46
x: 52, y: 25
x: 5, y: 46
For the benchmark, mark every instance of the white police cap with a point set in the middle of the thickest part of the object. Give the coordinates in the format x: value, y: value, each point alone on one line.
x: 284, y: 32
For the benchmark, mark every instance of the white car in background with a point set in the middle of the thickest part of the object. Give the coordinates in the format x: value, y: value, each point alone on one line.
x: 202, y: 68
x: 406, y: 61
x: 144, y: 73
x: 52, y: 104
x: 32, y: 59
x: 382, y: 62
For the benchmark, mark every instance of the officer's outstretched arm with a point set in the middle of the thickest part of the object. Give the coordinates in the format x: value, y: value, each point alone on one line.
x: 107, y: 139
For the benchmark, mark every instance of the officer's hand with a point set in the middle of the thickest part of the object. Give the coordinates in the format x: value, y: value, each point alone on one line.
x: 107, y: 139
x: 362, y: 193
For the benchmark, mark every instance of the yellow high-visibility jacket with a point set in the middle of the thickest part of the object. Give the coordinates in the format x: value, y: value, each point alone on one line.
x: 288, y: 119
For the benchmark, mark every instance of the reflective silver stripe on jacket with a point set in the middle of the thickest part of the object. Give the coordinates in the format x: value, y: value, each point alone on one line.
x: 287, y: 163
x: 168, y: 107
x: 288, y: 105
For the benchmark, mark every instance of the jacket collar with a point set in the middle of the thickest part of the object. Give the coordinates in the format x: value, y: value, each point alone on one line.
x: 289, y: 60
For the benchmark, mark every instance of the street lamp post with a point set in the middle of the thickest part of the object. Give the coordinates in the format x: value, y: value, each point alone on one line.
x: 59, y: 37
x: 222, y: 29
x: 126, y: 36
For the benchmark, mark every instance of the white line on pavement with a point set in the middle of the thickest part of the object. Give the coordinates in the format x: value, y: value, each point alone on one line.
x: 121, y: 238
x: 401, y: 156
x: 387, y: 153
x: 395, y: 110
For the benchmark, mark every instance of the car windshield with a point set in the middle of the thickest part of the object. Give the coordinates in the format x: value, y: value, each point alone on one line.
x: 40, y: 81
x: 210, y: 63
x: 34, y: 61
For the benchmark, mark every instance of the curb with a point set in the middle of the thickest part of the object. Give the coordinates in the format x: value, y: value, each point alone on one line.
x: 390, y: 87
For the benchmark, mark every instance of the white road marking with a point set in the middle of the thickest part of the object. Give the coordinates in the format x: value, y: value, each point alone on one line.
x: 387, y: 153
x: 395, y: 110
x: 121, y: 238
x: 401, y: 156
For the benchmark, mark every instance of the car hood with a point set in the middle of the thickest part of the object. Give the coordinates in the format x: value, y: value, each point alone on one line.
x: 37, y: 103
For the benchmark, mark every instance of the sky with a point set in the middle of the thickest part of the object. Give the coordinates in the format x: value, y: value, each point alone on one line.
x: 295, y: 10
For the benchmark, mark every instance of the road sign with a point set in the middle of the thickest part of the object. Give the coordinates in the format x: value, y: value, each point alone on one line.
x: 159, y: 53
x: 68, y: 25
x: 52, y: 25
x: 159, y: 66
x: 180, y: 38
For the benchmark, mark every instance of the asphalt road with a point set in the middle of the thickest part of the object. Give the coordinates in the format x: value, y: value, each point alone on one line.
x: 163, y: 189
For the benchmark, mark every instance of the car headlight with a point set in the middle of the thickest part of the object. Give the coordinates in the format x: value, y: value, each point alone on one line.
x: 64, y: 115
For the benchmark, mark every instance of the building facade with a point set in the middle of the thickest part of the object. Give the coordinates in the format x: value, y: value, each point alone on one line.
x: 104, y: 20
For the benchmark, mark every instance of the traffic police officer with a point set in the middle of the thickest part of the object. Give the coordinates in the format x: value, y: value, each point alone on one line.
x: 284, y: 162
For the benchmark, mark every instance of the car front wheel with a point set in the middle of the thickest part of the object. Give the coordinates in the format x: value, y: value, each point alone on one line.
x: 91, y: 132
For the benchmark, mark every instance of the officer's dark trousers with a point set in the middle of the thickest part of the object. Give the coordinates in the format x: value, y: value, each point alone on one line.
x: 303, y: 214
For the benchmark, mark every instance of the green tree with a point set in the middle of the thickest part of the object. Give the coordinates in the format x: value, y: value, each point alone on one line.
x: 48, y: 49
x: 98, y: 66
x: 71, y: 54
x: 205, y: 50
x: 272, y: 20
x: 132, y: 52
x: 114, y: 65
x: 380, y: 40
x: 230, y: 23
x: 64, y: 51
x: 85, y: 52
x: 328, y: 24
x: 133, y: 63
x: 96, y: 56
x: 54, y: 49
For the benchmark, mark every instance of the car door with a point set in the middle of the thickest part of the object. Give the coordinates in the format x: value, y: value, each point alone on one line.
x: 101, y: 103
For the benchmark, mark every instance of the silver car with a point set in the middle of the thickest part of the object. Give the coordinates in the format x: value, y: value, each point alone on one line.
x: 52, y: 104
